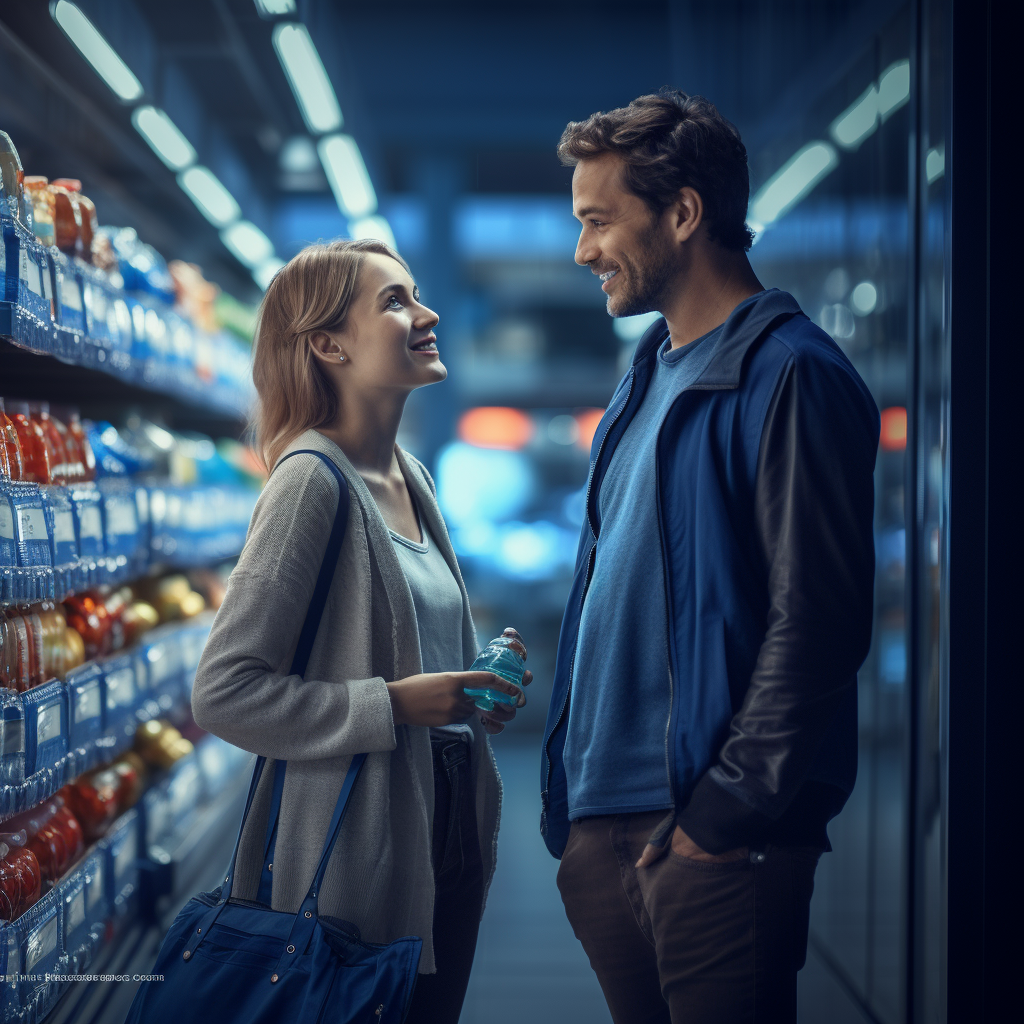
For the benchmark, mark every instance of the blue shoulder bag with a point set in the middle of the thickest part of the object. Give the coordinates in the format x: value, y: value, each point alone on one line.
x: 234, y: 960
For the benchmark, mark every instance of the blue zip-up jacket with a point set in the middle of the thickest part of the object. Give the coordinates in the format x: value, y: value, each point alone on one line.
x: 765, y: 499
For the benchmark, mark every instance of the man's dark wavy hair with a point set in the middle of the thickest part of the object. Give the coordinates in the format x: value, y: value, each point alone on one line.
x: 670, y: 140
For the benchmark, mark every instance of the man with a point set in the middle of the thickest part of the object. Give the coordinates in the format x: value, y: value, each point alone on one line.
x: 702, y: 729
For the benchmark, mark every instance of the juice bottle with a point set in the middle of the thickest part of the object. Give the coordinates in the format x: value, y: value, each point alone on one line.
x: 20, y: 878
x: 129, y: 769
x: 10, y: 885
x: 32, y: 441
x: 19, y: 646
x: 47, y: 844
x: 92, y: 799
x: 85, y: 217
x: 75, y: 460
x: 36, y: 654
x: 11, y: 457
x: 31, y: 875
x: 88, y: 617
x: 55, y: 450
x: 5, y: 458
x: 117, y: 604
x: 74, y: 649
x: 43, y: 201
x: 8, y: 654
x: 12, y: 177
x: 54, y: 627
x: 84, y: 449
x: 70, y: 828
x: 65, y: 218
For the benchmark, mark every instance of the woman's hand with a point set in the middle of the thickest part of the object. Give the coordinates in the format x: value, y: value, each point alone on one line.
x: 437, y: 698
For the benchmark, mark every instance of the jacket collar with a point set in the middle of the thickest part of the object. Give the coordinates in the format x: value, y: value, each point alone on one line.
x: 744, y: 325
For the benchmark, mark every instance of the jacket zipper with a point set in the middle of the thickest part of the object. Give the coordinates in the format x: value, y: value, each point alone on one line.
x: 670, y: 774
x: 669, y: 751
x: 583, y: 596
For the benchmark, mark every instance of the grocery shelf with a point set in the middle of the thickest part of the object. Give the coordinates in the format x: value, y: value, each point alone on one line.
x: 65, y: 308
x: 38, y: 375
x: 105, y: 915
x: 132, y: 949
x: 99, y: 326
x: 57, y: 540
x: 52, y: 733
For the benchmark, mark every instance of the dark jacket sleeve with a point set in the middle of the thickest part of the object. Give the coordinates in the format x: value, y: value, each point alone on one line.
x: 814, y: 499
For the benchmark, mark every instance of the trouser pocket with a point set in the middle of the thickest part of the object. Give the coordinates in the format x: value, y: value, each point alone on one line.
x: 451, y: 788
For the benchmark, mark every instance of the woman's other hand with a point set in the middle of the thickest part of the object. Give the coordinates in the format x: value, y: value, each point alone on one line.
x: 494, y: 721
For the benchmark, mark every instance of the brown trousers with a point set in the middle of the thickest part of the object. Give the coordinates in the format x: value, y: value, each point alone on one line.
x: 684, y: 941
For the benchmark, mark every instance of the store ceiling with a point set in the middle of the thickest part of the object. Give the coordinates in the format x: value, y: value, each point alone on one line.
x: 489, y: 86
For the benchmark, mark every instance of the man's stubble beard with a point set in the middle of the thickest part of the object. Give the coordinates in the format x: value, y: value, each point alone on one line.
x: 645, y: 278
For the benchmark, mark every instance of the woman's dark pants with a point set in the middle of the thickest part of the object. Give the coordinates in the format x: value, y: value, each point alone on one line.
x: 459, y: 887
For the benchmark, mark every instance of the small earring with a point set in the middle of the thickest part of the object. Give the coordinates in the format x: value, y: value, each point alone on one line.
x: 341, y: 359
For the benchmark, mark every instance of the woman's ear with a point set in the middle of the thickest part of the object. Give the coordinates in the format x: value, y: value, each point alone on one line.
x: 325, y: 347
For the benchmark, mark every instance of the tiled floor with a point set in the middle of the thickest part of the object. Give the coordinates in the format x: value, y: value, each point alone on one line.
x: 529, y: 968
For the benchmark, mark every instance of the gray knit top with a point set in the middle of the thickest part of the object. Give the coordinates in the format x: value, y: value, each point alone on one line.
x: 380, y: 876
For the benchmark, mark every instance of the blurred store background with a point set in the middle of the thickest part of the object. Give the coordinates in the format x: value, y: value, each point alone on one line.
x: 216, y: 138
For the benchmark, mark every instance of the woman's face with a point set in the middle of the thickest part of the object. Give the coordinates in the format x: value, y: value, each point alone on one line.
x: 388, y: 339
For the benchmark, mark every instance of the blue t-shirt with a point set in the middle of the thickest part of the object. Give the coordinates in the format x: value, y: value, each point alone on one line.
x: 616, y: 746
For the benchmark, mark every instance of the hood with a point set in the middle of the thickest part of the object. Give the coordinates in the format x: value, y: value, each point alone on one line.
x: 743, y: 327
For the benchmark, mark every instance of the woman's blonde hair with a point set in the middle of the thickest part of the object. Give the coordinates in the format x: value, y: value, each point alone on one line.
x: 313, y: 292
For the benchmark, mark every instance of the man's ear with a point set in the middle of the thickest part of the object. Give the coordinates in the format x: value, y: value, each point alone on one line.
x: 687, y: 214
x: 323, y: 346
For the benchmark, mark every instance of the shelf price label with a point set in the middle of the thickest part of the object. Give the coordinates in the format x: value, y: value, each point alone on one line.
x: 28, y: 271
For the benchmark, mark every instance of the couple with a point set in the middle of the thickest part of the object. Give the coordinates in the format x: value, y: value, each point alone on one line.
x: 702, y: 729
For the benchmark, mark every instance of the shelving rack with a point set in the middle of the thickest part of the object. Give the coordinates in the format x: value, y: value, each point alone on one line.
x: 67, y: 335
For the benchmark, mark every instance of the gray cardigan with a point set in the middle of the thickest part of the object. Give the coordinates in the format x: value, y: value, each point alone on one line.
x: 379, y: 876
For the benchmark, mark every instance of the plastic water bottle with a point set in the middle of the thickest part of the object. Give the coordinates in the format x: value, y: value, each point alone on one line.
x: 501, y: 656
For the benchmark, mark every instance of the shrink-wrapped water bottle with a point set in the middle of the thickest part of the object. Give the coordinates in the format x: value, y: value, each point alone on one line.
x: 505, y: 656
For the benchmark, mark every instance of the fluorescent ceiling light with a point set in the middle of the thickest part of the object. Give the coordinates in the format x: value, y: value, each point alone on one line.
x: 163, y: 137
x: 372, y: 227
x: 264, y: 273
x: 894, y: 88
x: 307, y: 77
x: 347, y: 175
x: 858, y: 121
x: 298, y: 155
x: 274, y: 8
x: 96, y: 50
x: 215, y: 202
x: 247, y: 243
x: 935, y: 164
x: 792, y: 182
x: 864, y: 298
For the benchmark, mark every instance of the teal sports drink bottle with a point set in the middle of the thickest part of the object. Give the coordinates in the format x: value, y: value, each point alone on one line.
x: 500, y: 657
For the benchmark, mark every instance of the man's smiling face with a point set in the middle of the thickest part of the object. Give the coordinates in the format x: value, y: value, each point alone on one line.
x: 621, y: 239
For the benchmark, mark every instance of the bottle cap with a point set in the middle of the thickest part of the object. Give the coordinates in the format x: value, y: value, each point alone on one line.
x: 42, y: 408
x: 35, y: 181
x: 18, y: 407
x: 71, y: 184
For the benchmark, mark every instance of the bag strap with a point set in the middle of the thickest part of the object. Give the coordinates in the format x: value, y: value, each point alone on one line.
x: 302, y: 652
x: 308, y: 913
x: 304, y: 648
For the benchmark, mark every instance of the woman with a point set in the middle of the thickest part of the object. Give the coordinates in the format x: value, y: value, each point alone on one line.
x: 342, y: 341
